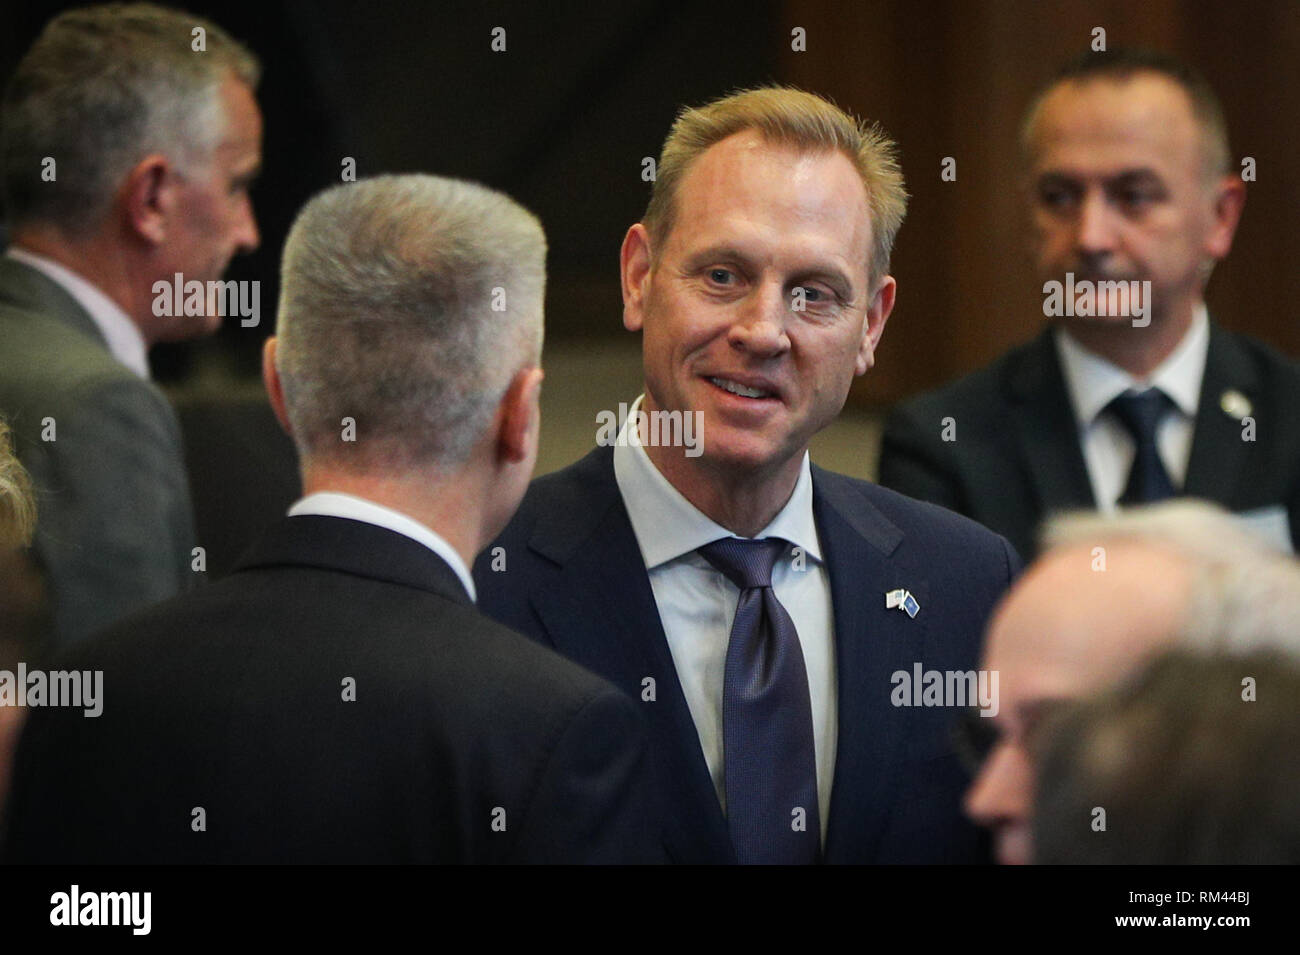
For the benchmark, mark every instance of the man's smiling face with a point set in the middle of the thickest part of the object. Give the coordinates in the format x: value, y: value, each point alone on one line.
x: 757, y: 310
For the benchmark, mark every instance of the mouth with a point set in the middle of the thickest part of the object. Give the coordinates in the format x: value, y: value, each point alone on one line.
x: 749, y: 389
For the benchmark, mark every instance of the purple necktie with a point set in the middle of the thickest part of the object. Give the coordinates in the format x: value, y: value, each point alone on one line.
x: 769, y: 763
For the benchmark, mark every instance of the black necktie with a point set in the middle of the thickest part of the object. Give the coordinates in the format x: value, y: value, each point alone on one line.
x: 770, y: 767
x: 1141, y: 413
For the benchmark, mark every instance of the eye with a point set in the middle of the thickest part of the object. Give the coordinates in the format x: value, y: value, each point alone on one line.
x: 1055, y: 197
x: 1136, y: 198
x: 721, y: 276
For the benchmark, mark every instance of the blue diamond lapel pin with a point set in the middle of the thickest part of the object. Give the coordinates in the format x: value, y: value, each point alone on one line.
x: 902, y: 600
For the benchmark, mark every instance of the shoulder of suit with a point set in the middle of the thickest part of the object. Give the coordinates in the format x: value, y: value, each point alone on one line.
x: 460, y: 644
x: 911, y: 516
x: 42, y: 355
x: 1277, y: 368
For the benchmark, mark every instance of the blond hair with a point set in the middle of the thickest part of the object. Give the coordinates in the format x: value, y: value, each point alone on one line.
x: 17, y: 505
x: 790, y: 117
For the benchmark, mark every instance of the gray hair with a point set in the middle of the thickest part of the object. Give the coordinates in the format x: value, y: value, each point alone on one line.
x: 1245, y: 593
x: 408, y: 303
x: 101, y: 88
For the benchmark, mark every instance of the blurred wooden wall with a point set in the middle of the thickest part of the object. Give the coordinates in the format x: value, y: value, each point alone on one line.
x: 952, y: 78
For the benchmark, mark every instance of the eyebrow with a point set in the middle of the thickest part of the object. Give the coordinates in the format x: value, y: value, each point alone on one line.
x: 1124, y: 176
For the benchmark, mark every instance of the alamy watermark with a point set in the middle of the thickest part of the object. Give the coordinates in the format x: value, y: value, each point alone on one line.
x: 75, y: 688
x: 194, y: 298
x: 666, y: 429
x: 957, y: 688
x: 1096, y: 299
x: 75, y: 907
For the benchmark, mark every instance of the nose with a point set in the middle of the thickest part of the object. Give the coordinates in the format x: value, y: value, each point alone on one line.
x: 1095, y: 228
x: 1002, y: 791
x: 760, y: 328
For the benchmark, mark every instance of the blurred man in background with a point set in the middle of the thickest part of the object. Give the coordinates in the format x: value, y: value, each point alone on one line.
x: 1132, y: 394
x: 130, y: 140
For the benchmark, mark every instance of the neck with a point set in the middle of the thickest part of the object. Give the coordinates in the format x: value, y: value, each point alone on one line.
x: 1139, y: 351
x: 744, y: 502
x: 104, y: 264
x: 446, y: 504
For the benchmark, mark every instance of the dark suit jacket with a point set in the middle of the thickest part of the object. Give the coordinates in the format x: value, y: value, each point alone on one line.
x: 114, y: 528
x: 575, y: 580
x: 1017, y: 458
x: 232, y: 699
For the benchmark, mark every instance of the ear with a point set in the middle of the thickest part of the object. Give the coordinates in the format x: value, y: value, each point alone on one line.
x: 520, y: 415
x: 274, y: 390
x: 149, y: 195
x: 634, y: 269
x: 1229, y: 201
x: 882, y: 303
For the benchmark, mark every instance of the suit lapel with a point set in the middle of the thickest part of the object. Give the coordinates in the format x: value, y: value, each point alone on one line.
x: 1218, y: 455
x: 601, y: 613
x: 1048, y: 431
x: 871, y: 642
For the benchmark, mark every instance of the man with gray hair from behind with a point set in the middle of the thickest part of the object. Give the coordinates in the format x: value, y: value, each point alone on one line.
x: 338, y: 697
x: 1107, y: 596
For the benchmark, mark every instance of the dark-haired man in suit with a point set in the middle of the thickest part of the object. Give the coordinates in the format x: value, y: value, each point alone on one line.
x: 1124, y: 398
x: 763, y: 611
x: 338, y: 698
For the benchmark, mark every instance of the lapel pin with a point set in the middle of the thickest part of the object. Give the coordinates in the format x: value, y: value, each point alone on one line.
x: 902, y: 600
x: 1234, y: 403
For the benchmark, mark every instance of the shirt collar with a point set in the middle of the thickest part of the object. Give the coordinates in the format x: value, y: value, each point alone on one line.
x: 338, y: 504
x: 125, y: 343
x: 668, y: 526
x: 1093, y: 382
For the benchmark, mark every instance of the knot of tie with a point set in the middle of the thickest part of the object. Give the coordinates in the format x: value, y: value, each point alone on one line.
x: 1141, y: 412
x: 746, y: 563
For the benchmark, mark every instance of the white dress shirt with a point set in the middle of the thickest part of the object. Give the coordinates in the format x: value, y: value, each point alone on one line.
x: 125, y: 343
x: 337, y: 504
x: 1108, y: 447
x: 697, y: 604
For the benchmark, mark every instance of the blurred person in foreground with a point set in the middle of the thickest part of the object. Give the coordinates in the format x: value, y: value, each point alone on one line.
x: 20, y: 593
x: 1192, y: 762
x: 1106, y: 596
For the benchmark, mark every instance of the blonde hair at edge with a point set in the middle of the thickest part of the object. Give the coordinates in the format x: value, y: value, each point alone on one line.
x: 17, y: 506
